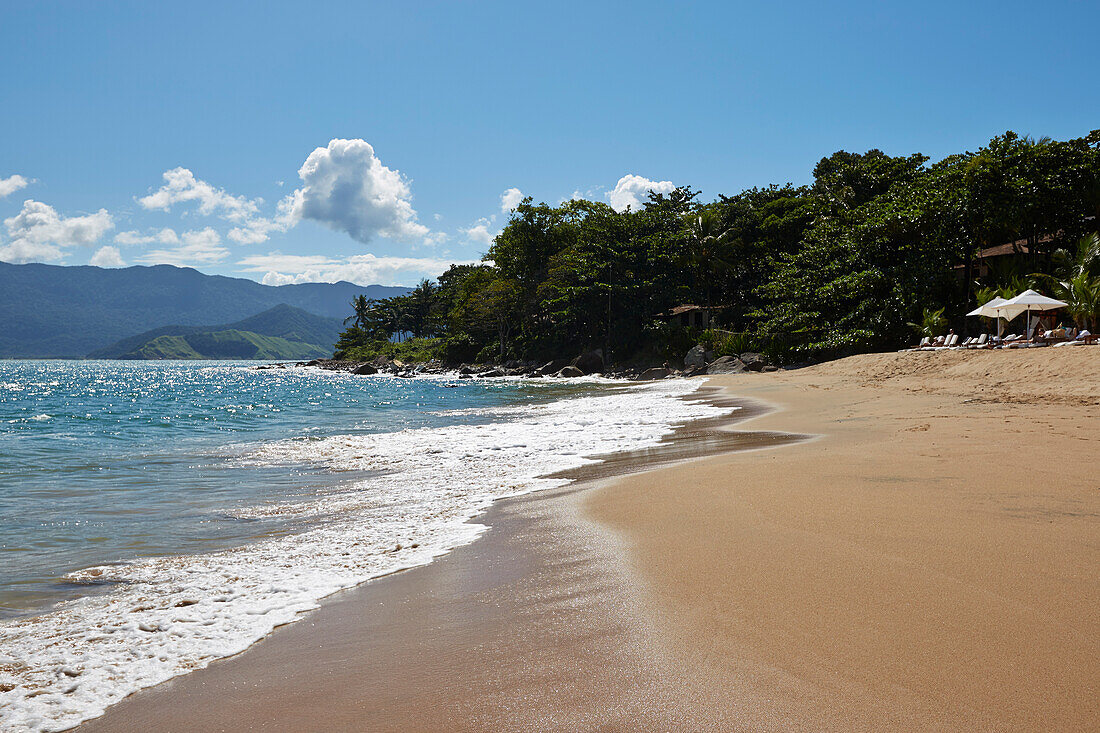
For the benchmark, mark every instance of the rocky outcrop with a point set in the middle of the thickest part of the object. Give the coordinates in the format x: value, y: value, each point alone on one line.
x: 754, y: 362
x: 570, y: 371
x: 726, y: 365
x: 590, y: 362
x: 365, y: 369
x: 552, y: 367
x: 698, y: 356
x: 492, y: 373
x: 655, y: 373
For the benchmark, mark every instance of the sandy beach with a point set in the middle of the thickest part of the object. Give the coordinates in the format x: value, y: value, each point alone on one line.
x: 888, y: 542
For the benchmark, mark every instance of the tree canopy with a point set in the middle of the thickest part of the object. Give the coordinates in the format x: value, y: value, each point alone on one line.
x: 846, y: 264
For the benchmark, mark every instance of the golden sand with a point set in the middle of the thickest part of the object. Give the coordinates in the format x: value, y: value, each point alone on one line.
x: 930, y: 561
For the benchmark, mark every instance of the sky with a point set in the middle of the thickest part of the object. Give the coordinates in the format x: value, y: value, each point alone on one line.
x: 381, y: 142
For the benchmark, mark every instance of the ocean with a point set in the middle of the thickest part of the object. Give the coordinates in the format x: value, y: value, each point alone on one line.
x: 155, y: 516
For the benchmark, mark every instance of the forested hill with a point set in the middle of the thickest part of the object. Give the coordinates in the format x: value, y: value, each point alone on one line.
x: 877, y: 251
x: 282, y: 332
x: 68, y: 312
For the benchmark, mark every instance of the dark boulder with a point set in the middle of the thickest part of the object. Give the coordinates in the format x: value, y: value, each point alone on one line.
x: 590, y: 362
x: 364, y: 369
x: 552, y: 367
x: 770, y: 368
x: 492, y: 373
x: 570, y: 371
x: 754, y: 362
x: 698, y: 356
x: 654, y: 373
x: 726, y: 365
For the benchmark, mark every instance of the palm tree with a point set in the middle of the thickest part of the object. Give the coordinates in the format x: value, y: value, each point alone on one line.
x: 1078, y: 280
x: 361, y: 315
x: 709, y: 242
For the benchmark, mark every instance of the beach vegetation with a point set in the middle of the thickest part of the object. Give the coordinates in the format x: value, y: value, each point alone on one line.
x: 844, y: 264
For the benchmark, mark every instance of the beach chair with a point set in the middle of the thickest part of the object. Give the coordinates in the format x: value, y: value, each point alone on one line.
x: 982, y: 342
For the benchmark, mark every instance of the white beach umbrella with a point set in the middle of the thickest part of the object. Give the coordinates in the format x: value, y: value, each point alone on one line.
x: 1026, y: 302
x: 989, y: 310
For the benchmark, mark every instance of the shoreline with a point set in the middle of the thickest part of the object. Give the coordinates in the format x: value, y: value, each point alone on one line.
x: 898, y: 572
x: 510, y: 522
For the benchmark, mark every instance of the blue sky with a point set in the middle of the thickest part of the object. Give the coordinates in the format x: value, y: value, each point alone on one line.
x: 153, y: 132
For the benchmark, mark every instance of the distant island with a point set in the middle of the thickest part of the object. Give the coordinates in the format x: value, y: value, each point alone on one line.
x: 52, y: 311
x: 282, y: 332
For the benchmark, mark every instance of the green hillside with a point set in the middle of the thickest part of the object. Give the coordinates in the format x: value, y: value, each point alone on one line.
x: 282, y: 332
x: 53, y: 311
x: 232, y: 344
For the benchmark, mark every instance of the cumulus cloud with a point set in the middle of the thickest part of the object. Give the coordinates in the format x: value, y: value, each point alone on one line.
x: 39, y: 234
x: 633, y: 191
x: 367, y: 269
x: 348, y: 189
x: 479, y: 233
x: 164, y: 236
x: 510, y: 199
x: 180, y: 185
x: 107, y: 256
x: 199, y: 247
x: 11, y: 184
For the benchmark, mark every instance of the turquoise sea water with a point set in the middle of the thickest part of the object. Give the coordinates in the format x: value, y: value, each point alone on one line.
x: 102, y: 462
x: 156, y: 516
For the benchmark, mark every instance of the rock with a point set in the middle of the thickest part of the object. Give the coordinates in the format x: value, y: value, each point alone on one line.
x: 570, y: 371
x: 698, y: 356
x: 516, y: 371
x: 590, y: 362
x: 693, y: 370
x: 465, y: 376
x: 770, y: 368
x: 364, y: 369
x: 552, y: 367
x: 513, y: 364
x: 315, y: 362
x: 654, y: 373
x: 726, y: 365
x: 491, y: 373
x: 466, y: 369
x: 754, y: 362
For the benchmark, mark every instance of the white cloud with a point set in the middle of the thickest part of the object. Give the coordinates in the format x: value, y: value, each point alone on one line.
x: 367, y: 269
x: 633, y: 191
x: 181, y: 185
x: 348, y: 189
x: 107, y: 257
x: 200, y: 247
x: 479, y: 233
x: 164, y: 236
x: 510, y: 199
x: 11, y: 184
x: 39, y: 234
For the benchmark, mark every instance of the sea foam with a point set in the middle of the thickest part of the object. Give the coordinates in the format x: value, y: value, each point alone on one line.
x: 171, y: 615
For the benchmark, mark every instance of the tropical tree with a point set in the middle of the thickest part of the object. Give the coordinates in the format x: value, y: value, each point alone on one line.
x: 708, y: 251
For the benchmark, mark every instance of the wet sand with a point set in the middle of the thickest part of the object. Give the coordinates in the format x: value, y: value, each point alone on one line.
x: 930, y: 562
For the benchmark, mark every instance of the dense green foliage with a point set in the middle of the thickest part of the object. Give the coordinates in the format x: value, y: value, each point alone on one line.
x: 849, y: 263
x: 282, y: 332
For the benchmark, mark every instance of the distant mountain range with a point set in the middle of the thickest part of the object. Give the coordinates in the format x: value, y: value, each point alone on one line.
x: 282, y: 332
x: 69, y: 312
